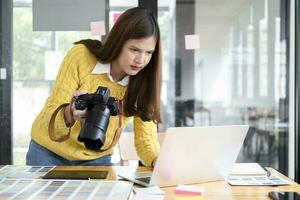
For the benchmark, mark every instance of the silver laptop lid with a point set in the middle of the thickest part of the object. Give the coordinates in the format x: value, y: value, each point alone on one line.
x: 198, y: 154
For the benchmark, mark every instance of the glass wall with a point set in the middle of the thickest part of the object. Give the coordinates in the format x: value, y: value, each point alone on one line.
x: 36, y: 59
x: 236, y: 75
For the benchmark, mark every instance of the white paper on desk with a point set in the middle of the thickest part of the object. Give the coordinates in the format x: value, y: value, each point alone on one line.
x: 149, y: 190
x: 141, y: 196
x: 248, y: 169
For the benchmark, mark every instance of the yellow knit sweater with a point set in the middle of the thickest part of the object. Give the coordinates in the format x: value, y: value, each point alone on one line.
x: 74, y: 74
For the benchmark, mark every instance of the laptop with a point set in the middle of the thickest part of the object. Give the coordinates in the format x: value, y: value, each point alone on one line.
x: 190, y: 155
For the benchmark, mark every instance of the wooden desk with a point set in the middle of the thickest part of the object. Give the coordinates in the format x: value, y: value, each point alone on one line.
x: 217, y: 190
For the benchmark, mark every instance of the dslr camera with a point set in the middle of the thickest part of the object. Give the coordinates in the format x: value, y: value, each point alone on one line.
x: 100, y: 107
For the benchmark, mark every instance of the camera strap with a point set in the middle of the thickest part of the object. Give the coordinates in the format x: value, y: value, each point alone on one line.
x: 51, y: 129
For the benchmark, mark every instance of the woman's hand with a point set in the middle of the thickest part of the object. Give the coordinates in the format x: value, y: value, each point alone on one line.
x: 79, y: 115
x: 72, y: 114
x: 153, y: 162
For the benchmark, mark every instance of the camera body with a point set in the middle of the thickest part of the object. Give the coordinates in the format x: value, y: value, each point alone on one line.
x: 100, y: 107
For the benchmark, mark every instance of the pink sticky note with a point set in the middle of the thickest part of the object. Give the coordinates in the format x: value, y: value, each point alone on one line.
x: 97, y: 28
x: 116, y: 16
x: 189, y: 190
x: 192, y: 42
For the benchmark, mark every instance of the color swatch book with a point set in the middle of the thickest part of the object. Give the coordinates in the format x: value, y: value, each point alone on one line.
x: 253, y: 174
x: 41, y: 189
x: 257, y: 180
x: 23, y: 171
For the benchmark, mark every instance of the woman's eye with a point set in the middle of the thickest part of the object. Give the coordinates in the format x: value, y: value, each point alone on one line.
x: 134, y: 50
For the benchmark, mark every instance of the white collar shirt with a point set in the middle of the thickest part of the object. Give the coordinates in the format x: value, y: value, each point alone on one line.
x: 105, y: 69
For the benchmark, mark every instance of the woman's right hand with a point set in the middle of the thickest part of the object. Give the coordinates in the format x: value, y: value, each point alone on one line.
x: 79, y: 115
x: 72, y: 114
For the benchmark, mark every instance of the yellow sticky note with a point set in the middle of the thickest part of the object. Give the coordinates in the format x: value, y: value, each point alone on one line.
x: 186, y: 197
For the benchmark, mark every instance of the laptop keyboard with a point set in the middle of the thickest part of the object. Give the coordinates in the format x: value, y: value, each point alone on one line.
x: 144, y: 179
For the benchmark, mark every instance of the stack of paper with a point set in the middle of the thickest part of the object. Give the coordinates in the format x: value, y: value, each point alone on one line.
x: 189, y: 192
x: 249, y: 169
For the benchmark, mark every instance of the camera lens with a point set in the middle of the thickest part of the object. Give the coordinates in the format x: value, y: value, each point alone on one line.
x: 93, y: 131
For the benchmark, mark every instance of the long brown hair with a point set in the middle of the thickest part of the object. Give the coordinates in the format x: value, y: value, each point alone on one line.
x: 142, y: 97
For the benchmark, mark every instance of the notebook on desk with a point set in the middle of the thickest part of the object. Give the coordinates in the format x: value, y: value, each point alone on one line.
x: 249, y: 169
x: 193, y: 155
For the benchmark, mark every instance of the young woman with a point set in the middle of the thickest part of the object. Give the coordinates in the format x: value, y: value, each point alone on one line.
x: 129, y: 64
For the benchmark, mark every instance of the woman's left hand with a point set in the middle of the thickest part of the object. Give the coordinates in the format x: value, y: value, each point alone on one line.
x: 153, y: 162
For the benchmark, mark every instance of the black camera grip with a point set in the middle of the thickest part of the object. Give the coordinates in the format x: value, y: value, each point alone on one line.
x: 81, y: 102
